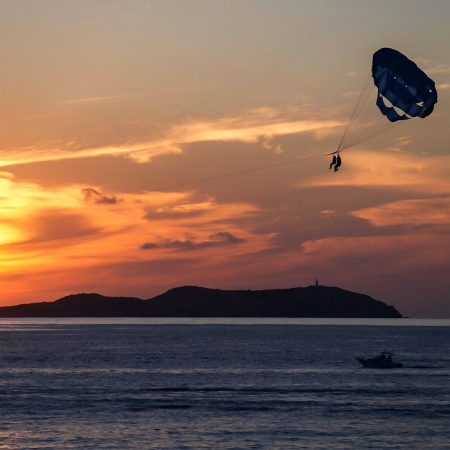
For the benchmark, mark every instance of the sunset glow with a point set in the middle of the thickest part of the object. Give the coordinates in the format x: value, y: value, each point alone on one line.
x: 190, y: 150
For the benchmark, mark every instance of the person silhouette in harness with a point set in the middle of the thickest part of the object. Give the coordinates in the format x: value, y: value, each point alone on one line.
x: 336, y: 162
x: 333, y: 162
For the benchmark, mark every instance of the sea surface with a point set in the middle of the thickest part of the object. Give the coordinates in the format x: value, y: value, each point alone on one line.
x: 222, y: 384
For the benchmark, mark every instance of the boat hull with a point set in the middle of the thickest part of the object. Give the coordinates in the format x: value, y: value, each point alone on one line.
x: 379, y: 364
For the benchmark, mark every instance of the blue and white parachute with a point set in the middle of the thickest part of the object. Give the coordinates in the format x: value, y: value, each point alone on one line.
x: 404, y: 92
x: 403, y: 84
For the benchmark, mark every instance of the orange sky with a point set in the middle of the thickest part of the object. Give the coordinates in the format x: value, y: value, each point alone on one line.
x: 111, y: 109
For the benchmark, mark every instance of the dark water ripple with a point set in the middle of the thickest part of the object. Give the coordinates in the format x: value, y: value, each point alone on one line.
x: 138, y: 386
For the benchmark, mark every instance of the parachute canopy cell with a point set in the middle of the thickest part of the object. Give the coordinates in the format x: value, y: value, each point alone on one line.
x: 408, y: 89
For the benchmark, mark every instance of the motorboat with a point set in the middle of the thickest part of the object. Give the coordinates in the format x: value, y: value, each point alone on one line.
x: 385, y: 360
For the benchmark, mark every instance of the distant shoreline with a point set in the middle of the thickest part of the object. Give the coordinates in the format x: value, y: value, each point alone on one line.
x: 225, y: 321
x: 6, y: 322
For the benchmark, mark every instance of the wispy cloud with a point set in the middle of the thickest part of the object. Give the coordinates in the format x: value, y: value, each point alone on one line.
x: 260, y: 125
x: 403, y: 141
x: 327, y: 213
x: 416, y: 212
x: 99, y: 100
x: 182, y: 210
x: 351, y: 94
x: 421, y: 173
x: 438, y: 68
x: 105, y: 99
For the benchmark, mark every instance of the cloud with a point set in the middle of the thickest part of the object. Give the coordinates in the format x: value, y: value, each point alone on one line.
x: 327, y: 213
x: 99, y: 100
x: 415, y: 212
x: 249, y: 129
x: 438, y: 68
x: 92, y: 195
x: 415, y: 172
x: 149, y: 246
x: 214, y: 240
x: 404, y: 140
x: 47, y: 233
x: 181, y: 211
x: 226, y: 236
x: 259, y: 125
x: 351, y: 94
x: 59, y: 225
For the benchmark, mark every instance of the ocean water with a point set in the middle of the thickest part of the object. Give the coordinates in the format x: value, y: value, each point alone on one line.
x: 222, y: 384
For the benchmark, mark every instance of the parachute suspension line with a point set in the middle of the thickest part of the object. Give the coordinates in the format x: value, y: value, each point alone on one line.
x: 233, y: 174
x: 363, y: 106
x: 371, y: 125
x: 356, y: 108
x: 363, y: 120
x: 369, y: 135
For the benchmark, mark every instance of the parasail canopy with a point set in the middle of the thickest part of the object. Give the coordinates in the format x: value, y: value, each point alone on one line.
x: 403, y: 84
x: 404, y: 92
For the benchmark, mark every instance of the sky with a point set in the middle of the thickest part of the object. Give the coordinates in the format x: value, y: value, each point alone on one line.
x: 131, y: 133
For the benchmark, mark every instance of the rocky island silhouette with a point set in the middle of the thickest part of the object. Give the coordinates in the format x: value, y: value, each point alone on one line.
x: 194, y: 301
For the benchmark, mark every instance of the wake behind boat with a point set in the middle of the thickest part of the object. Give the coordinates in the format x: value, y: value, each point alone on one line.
x: 385, y: 360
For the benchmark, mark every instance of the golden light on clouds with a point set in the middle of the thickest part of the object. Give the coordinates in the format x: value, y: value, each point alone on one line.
x: 433, y: 211
x: 402, y: 170
x: 92, y: 236
x: 102, y: 105
x: 72, y: 228
x: 259, y: 125
x: 9, y: 234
